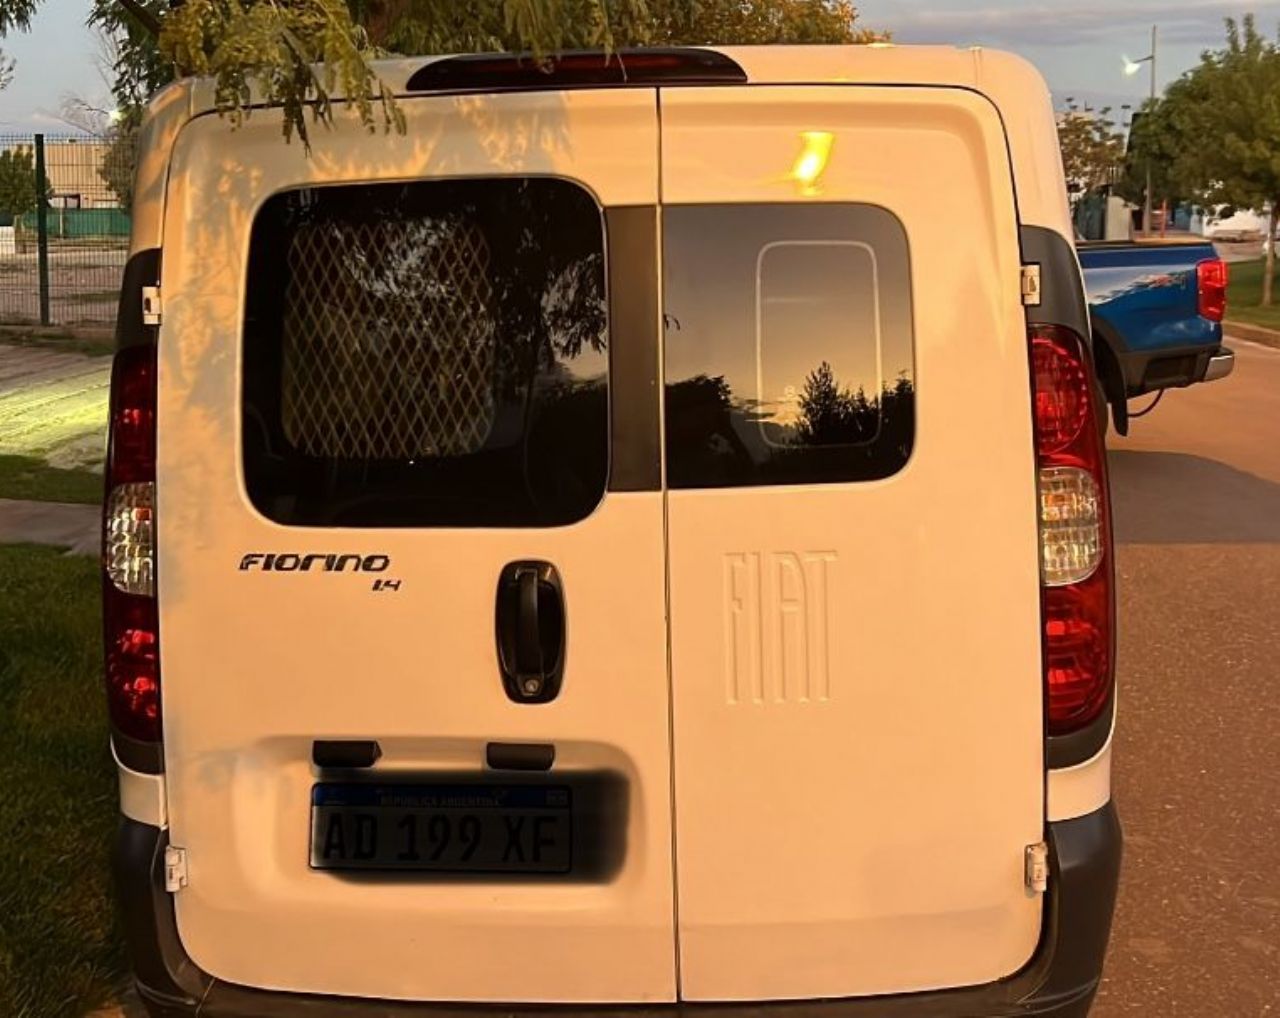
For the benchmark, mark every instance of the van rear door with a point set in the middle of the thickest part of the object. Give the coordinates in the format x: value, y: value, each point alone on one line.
x: 392, y: 497
x: 854, y: 591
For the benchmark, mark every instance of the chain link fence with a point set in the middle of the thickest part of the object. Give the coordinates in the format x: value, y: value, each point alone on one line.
x: 64, y: 228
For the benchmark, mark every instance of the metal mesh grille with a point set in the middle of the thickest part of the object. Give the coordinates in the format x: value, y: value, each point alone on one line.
x: 388, y: 339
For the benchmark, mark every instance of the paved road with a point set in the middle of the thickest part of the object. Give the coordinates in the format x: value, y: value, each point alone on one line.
x: 1197, y: 769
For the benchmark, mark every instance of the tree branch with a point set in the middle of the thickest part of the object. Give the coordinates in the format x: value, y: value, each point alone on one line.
x: 145, y: 19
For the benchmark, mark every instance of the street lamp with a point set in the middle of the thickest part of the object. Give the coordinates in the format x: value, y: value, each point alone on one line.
x: 1132, y: 67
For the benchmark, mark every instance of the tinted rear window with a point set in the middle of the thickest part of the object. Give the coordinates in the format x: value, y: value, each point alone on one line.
x: 427, y: 354
x: 788, y: 344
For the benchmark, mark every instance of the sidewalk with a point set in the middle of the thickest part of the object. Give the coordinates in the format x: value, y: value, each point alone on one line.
x: 74, y: 527
x: 53, y: 405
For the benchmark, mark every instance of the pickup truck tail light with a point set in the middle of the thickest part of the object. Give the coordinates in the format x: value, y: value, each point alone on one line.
x: 131, y: 627
x: 1211, y: 288
x: 1077, y: 599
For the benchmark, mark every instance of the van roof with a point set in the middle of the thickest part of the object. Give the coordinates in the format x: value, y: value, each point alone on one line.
x: 1012, y: 84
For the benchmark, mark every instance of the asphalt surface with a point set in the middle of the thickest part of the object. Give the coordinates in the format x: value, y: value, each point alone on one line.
x: 1196, y: 494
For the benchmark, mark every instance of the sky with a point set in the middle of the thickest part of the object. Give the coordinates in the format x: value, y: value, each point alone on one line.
x: 1079, y: 46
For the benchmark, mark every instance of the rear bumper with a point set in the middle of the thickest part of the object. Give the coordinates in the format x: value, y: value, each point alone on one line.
x: 1147, y: 371
x: 1059, y: 981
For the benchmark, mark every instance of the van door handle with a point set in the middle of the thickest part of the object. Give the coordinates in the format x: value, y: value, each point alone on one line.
x: 530, y: 631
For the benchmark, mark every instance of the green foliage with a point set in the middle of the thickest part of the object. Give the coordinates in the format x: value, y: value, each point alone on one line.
x: 276, y: 45
x: 429, y: 26
x: 1092, y: 148
x: 120, y: 161
x: 1215, y: 135
x: 16, y: 14
x: 140, y: 68
x: 18, y: 181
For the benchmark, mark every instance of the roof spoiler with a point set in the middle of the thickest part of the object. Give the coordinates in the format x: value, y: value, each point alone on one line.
x: 523, y: 72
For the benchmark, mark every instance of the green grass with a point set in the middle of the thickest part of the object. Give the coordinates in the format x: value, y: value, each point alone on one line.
x: 60, y: 952
x: 1244, y: 292
x: 32, y: 478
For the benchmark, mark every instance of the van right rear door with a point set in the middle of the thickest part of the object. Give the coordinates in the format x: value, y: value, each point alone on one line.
x: 854, y: 586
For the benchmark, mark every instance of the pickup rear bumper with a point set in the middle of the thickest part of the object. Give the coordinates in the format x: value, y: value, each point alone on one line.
x: 1172, y: 368
x: 1058, y: 982
x: 1220, y: 365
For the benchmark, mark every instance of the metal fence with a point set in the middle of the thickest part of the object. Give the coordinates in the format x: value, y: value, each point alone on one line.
x: 64, y: 228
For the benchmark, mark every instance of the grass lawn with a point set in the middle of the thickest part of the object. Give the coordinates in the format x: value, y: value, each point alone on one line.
x: 1244, y: 292
x: 60, y: 952
x: 30, y: 477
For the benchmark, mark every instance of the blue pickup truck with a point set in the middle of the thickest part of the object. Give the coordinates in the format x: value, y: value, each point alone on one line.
x: 1157, y: 314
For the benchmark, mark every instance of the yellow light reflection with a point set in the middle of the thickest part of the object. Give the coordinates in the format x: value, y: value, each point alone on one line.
x: 809, y: 166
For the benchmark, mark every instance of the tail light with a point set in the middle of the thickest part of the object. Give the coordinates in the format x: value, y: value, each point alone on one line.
x: 582, y: 69
x: 1211, y: 288
x: 1075, y: 532
x: 129, y: 548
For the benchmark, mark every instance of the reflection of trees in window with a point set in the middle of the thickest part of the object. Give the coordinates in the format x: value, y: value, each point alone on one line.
x: 428, y: 353
x: 716, y: 439
x: 414, y: 313
x: 834, y: 415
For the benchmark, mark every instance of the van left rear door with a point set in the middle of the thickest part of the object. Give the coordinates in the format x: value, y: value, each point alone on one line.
x: 390, y: 369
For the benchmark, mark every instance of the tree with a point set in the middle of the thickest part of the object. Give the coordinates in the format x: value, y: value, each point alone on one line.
x: 1092, y: 148
x: 17, y: 182
x: 277, y: 44
x: 120, y: 161
x: 823, y: 408
x: 1216, y: 132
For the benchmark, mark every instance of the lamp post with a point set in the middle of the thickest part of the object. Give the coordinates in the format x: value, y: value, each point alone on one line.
x: 1132, y: 67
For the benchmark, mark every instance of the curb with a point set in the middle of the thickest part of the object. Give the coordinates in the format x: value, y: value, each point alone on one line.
x: 1253, y: 333
x: 104, y: 333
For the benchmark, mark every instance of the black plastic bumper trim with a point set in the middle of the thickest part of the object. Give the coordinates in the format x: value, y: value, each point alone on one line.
x: 1062, y: 300
x: 143, y: 757
x: 142, y: 269
x: 1058, y: 982
x: 1068, y: 750
x: 1182, y: 366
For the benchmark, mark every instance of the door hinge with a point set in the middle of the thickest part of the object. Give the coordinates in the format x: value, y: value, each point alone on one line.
x: 1031, y: 285
x: 151, y: 307
x: 1037, y: 867
x: 175, y: 868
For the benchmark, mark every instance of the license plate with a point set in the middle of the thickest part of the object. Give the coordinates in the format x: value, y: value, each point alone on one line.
x: 453, y: 828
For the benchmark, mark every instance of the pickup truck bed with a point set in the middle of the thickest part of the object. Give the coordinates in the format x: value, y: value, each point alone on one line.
x: 1148, y: 315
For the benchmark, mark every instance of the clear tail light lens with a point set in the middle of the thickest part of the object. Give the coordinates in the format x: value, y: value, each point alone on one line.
x: 1211, y: 288
x: 129, y: 549
x: 1075, y: 532
x: 1070, y: 525
x: 131, y: 626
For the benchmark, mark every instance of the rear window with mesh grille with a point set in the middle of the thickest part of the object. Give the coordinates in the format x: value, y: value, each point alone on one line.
x: 427, y: 353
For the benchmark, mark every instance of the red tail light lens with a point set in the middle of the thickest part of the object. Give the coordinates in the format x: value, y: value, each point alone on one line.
x: 1077, y: 649
x: 131, y: 627
x: 1061, y: 392
x: 1211, y: 288
x: 1075, y: 532
x: 133, y: 664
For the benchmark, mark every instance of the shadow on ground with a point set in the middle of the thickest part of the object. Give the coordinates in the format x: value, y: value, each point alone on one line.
x: 1176, y: 498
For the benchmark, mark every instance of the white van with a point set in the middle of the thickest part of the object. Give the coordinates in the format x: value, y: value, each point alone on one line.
x: 636, y: 542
